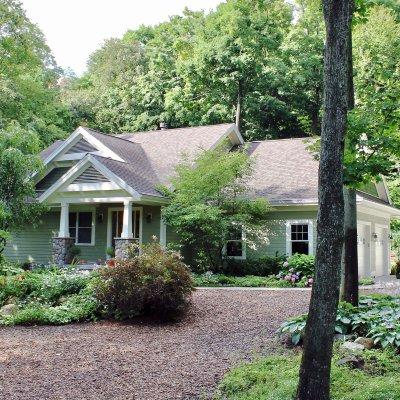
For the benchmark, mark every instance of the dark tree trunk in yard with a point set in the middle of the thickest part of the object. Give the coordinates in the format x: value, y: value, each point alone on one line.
x: 350, y: 276
x: 316, y: 361
x: 350, y: 259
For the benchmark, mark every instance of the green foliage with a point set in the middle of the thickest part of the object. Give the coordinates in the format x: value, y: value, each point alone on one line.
x: 17, y: 190
x: 76, y: 308
x: 276, y: 378
x: 47, y: 296
x: 373, y: 138
x: 209, y: 279
x: 377, y: 317
x: 154, y: 283
x: 43, y: 286
x: 208, y: 204
x: 262, y: 266
x: 302, y: 263
x: 193, y: 69
x: 366, y: 281
x: 28, y: 77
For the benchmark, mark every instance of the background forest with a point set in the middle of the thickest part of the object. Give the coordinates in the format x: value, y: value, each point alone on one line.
x: 265, y: 56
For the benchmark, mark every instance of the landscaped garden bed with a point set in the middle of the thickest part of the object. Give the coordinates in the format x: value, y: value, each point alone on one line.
x: 365, y: 366
x: 156, y: 283
x: 276, y: 377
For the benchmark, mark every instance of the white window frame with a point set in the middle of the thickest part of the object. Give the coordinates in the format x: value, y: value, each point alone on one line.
x: 93, y: 235
x: 310, y: 224
x: 109, y: 223
x: 243, y: 240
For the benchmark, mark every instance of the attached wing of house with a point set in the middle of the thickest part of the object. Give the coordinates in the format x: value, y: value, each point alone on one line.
x: 102, y: 193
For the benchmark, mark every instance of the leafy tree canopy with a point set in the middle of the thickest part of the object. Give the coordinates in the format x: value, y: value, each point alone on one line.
x: 208, y: 203
x: 28, y: 77
x: 17, y: 190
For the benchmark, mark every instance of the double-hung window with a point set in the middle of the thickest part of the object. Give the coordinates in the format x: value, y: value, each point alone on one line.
x: 81, y: 227
x: 299, y: 237
x: 235, y: 245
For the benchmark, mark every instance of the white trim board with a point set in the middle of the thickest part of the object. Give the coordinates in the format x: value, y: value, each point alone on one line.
x: 310, y: 223
x: 80, y: 133
x: 76, y: 170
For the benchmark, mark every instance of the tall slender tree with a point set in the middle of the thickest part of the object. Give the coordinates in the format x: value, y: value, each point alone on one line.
x: 315, y: 368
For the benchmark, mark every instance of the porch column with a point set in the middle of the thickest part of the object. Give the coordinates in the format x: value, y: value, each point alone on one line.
x: 123, y: 244
x: 63, y: 244
x: 64, y: 221
x: 163, y: 231
x: 127, y: 221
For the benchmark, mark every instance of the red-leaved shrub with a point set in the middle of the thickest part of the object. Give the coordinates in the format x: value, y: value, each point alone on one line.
x: 154, y: 283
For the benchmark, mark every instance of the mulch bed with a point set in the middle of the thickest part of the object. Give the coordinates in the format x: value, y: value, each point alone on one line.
x: 110, y: 360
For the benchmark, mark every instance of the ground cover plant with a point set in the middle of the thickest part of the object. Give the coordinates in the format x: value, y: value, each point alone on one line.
x: 276, y: 378
x: 376, y: 317
x: 46, y: 296
x: 209, y: 279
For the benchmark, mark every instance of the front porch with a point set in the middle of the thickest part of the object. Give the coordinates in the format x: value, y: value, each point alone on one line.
x: 96, y: 227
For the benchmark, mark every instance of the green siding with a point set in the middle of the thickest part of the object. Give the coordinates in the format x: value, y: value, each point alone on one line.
x: 34, y: 244
x: 152, y: 228
x: 277, y: 232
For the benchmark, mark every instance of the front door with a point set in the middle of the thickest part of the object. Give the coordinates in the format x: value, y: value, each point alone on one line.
x: 116, y: 217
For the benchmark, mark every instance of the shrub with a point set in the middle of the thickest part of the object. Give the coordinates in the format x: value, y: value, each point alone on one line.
x: 155, y: 283
x: 302, y: 263
x: 263, y: 266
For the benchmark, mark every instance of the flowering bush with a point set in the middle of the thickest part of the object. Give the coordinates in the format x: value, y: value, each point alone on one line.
x: 298, y: 269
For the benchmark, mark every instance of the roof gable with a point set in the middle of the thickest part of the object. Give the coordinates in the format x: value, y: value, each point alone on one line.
x: 78, y: 144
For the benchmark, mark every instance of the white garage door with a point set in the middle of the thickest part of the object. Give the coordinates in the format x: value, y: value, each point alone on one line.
x: 381, y: 251
x: 363, y: 240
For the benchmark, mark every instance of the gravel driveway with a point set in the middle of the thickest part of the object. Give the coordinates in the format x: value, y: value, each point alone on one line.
x: 109, y: 360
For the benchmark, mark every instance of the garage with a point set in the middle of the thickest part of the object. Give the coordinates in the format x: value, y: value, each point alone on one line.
x: 364, y: 249
x: 381, y: 241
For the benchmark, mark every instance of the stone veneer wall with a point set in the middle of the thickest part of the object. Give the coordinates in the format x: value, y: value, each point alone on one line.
x: 122, y: 247
x: 62, y: 250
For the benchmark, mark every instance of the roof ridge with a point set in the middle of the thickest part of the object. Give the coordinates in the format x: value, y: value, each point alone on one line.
x: 175, y: 129
x: 281, y: 140
x: 112, y: 135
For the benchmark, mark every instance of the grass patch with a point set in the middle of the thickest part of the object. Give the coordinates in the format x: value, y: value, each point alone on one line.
x: 276, y: 378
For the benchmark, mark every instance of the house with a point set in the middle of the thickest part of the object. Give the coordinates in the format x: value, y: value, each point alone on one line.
x: 102, y: 192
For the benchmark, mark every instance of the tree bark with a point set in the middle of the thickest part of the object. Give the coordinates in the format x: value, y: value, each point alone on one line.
x: 349, y: 290
x: 315, y: 367
x: 350, y: 267
x: 238, y: 106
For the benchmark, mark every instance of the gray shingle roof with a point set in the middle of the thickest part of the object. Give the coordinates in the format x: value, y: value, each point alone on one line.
x: 48, y: 150
x: 165, y: 148
x: 284, y: 171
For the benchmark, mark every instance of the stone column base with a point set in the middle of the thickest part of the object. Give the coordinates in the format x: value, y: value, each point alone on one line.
x: 122, y: 247
x: 62, y: 254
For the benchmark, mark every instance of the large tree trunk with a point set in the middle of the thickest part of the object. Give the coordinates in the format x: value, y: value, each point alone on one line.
x: 349, y: 291
x: 316, y: 361
x: 350, y: 267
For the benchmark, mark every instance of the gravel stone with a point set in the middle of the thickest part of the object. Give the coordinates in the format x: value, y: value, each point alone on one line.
x: 145, y: 360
